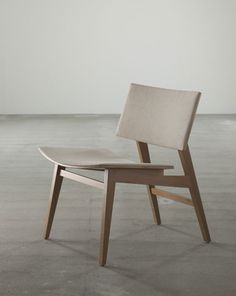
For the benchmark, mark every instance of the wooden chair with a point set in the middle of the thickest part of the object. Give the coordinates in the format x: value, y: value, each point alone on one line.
x: 151, y: 116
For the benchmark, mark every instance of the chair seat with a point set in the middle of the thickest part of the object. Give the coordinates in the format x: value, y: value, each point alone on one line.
x: 93, y: 159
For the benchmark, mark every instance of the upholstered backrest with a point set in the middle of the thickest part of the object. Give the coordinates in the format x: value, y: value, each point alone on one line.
x: 158, y: 116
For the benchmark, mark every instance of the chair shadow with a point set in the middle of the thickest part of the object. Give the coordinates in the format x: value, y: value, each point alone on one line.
x: 180, y: 231
x: 150, y: 227
x: 66, y: 244
x: 149, y: 276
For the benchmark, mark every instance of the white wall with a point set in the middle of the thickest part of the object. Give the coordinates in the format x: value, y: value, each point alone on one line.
x: 79, y: 56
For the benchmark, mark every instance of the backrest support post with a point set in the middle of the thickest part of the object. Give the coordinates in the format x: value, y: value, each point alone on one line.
x: 143, y: 152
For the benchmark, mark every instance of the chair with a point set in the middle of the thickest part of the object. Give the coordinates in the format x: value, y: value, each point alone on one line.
x: 151, y: 115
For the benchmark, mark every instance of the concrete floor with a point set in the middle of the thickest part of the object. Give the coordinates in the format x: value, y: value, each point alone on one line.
x: 144, y: 259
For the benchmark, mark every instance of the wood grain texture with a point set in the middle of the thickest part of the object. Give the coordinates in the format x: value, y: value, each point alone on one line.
x: 53, y: 199
x: 188, y: 168
x: 82, y: 179
x: 172, y: 196
x: 144, y: 156
x: 109, y: 191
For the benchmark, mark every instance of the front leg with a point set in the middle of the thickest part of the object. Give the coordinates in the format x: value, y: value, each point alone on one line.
x: 109, y: 191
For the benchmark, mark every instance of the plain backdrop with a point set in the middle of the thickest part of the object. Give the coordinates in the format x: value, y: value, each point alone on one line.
x: 79, y: 56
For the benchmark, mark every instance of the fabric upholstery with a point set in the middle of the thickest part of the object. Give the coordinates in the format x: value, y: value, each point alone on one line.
x: 158, y: 116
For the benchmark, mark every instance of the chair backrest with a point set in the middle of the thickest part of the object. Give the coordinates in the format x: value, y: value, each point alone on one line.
x: 158, y: 116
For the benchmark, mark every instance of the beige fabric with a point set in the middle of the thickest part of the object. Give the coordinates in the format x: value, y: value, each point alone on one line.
x: 92, y: 158
x: 158, y: 116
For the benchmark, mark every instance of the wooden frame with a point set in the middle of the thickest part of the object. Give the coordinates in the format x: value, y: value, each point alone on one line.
x: 189, y: 173
x: 142, y: 175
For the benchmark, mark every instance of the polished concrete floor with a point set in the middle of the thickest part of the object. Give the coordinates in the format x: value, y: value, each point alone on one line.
x: 144, y: 259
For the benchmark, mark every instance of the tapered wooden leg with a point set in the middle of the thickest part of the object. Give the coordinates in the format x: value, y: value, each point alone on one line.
x: 186, y: 160
x: 200, y: 213
x: 55, y: 191
x: 154, y: 205
x: 145, y: 157
x: 109, y: 188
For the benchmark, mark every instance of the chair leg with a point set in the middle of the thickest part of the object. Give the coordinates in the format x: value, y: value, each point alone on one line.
x: 55, y: 191
x: 109, y: 188
x: 144, y: 156
x: 186, y: 160
x: 197, y: 203
x: 154, y: 205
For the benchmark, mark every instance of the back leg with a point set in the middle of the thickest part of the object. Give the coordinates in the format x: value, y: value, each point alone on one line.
x: 145, y: 157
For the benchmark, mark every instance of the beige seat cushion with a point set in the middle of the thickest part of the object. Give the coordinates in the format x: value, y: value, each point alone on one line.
x: 92, y: 158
